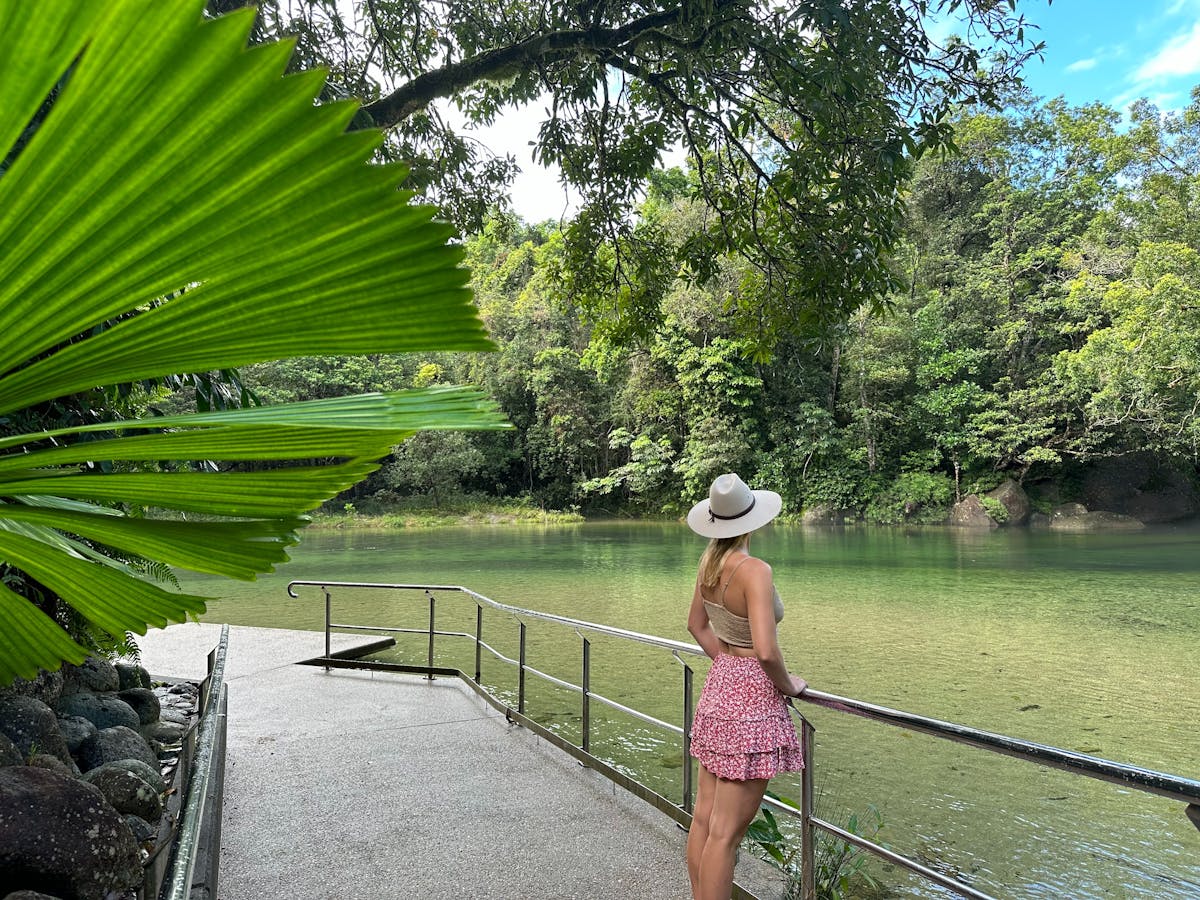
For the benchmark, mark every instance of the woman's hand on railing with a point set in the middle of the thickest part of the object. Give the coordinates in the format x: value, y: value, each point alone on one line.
x: 799, y: 686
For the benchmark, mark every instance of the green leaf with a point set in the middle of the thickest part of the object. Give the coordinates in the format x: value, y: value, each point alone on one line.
x: 237, y: 549
x: 31, y: 640
x: 174, y: 204
x: 115, y: 602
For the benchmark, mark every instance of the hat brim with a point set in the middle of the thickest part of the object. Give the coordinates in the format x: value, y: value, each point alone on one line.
x: 767, y: 505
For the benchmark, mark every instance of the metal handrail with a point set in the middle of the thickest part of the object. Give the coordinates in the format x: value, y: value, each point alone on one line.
x: 183, y: 865
x: 1165, y: 785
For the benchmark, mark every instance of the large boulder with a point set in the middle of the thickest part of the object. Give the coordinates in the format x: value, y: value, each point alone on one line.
x: 93, y: 674
x: 143, y: 832
x: 1014, y: 499
x: 164, y: 732
x: 1141, y: 485
x: 54, y: 764
x: 971, y: 513
x: 1067, y: 511
x: 9, y: 754
x: 75, y: 730
x: 143, y: 702
x: 33, y: 728
x: 152, y: 775
x: 102, y: 710
x: 46, y: 686
x: 60, y: 835
x: 128, y: 794
x: 1096, y: 521
x: 112, y: 744
x: 130, y: 676
x: 826, y: 514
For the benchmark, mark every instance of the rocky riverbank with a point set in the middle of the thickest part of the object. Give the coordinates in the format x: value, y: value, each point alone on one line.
x: 87, y: 758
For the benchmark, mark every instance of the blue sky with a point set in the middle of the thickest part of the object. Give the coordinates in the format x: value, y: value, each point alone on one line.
x: 1116, y: 51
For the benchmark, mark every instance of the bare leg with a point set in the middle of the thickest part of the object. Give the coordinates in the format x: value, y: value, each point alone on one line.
x: 698, y: 834
x: 734, y: 807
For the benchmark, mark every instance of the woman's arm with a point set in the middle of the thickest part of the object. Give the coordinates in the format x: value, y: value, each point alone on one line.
x: 699, y: 626
x: 759, y: 589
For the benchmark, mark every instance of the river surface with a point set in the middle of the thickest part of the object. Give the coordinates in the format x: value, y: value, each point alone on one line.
x: 1085, y: 642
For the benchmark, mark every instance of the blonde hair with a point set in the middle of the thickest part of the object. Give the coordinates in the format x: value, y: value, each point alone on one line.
x: 714, y: 556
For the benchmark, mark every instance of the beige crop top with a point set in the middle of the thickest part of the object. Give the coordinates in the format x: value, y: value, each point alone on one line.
x: 730, y: 627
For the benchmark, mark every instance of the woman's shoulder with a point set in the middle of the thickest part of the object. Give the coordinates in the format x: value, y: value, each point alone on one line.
x: 755, y: 568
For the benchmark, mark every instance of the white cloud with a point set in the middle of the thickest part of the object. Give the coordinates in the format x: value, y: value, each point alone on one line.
x: 1082, y: 65
x: 1179, y: 56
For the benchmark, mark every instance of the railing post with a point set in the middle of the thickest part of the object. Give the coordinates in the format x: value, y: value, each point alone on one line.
x: 587, y: 689
x: 687, y: 739
x: 808, y: 832
x: 1193, y: 813
x: 521, y: 675
x: 478, y: 641
x: 429, y: 656
x: 327, y: 621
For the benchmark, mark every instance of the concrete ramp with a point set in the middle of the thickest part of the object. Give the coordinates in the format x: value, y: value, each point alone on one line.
x: 357, y: 785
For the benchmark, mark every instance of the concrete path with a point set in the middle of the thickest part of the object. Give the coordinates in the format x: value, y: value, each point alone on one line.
x: 356, y: 785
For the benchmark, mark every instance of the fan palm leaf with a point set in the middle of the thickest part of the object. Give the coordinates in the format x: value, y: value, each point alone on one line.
x: 171, y: 202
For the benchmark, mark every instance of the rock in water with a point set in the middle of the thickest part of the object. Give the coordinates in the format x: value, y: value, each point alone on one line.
x: 970, y: 513
x: 59, y: 834
x: 1012, y: 496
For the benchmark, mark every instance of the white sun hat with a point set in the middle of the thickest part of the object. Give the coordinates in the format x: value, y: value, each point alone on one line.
x: 732, y: 509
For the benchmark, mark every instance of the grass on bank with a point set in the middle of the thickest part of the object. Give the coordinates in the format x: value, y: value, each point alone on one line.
x: 419, y: 512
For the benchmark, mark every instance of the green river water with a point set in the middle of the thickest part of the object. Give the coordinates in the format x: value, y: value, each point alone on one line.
x: 1085, y: 642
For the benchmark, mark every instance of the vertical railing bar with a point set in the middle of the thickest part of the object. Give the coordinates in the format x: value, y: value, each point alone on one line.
x: 478, y: 642
x: 521, y: 675
x: 587, y: 687
x: 429, y: 656
x: 687, y: 739
x: 328, y: 619
x: 808, y: 836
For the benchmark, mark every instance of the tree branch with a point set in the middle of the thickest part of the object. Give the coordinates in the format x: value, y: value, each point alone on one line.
x: 505, y: 62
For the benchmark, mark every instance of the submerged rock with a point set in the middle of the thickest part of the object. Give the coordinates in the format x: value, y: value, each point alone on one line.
x: 1096, y: 521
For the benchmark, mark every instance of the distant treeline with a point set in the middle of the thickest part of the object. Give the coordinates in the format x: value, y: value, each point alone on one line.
x: 1046, y: 317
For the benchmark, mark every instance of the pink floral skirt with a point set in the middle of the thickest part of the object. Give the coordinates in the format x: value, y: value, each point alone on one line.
x: 742, y: 728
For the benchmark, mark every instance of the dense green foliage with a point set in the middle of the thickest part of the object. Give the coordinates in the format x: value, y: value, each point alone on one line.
x: 800, y: 121
x: 1046, y: 319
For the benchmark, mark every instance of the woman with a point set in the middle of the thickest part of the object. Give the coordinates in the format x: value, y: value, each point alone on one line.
x: 742, y: 734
